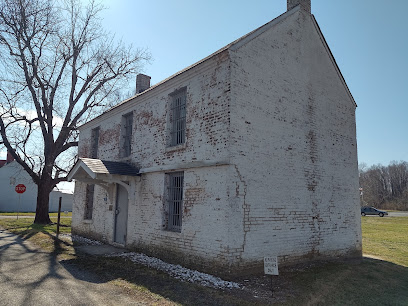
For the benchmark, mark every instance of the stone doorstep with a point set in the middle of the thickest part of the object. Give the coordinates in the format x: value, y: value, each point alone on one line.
x: 100, y: 249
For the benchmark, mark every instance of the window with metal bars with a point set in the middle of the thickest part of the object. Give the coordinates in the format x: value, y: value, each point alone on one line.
x: 175, y: 201
x: 178, y: 118
x: 89, y: 200
x: 127, y: 124
x: 95, y: 143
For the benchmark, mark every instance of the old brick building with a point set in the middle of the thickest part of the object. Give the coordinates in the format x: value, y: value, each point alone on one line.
x: 248, y: 153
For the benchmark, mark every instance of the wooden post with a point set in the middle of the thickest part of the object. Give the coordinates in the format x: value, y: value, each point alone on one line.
x: 272, y: 285
x: 59, y: 216
x: 271, y: 268
x: 19, y: 204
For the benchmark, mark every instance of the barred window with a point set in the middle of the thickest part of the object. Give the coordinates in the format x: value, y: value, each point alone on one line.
x: 95, y: 143
x: 178, y: 119
x: 127, y: 123
x: 89, y: 200
x: 175, y: 200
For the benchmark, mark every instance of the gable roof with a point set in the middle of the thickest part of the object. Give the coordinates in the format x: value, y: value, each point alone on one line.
x: 236, y: 44
x: 319, y: 31
x: 94, y: 167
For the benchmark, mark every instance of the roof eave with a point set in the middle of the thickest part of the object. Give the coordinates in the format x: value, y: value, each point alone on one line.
x: 231, y: 46
x: 80, y: 165
x: 333, y: 59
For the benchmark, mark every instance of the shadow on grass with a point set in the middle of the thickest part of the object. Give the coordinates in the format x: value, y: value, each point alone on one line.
x: 27, y: 271
x: 27, y: 258
x: 150, y: 280
x: 359, y: 282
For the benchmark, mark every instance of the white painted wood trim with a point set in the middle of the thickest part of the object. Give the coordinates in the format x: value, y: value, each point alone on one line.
x: 180, y: 166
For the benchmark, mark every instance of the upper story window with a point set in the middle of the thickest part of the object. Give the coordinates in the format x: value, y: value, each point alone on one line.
x: 178, y: 118
x: 94, y: 142
x: 127, y: 125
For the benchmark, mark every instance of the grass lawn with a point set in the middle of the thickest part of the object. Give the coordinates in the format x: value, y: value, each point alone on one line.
x: 41, y: 235
x: 54, y: 214
x: 386, y: 238
x: 25, y: 226
x: 369, y: 281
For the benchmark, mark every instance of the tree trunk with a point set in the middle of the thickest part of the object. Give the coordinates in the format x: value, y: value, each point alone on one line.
x: 43, y: 201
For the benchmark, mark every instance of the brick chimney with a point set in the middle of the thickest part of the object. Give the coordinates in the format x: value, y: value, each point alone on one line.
x: 304, y: 4
x: 10, y: 158
x: 142, y: 82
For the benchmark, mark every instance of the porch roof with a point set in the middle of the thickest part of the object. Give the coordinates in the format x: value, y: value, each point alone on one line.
x: 96, y: 167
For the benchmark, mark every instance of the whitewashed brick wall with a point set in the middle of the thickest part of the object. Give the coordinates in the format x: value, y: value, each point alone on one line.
x: 275, y: 113
x: 293, y: 140
x: 205, y: 224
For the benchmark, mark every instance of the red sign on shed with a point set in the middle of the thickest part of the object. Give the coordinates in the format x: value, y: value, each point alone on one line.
x: 20, y: 188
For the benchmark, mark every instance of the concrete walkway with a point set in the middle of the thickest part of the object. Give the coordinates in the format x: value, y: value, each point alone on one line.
x: 29, y: 276
x: 103, y: 249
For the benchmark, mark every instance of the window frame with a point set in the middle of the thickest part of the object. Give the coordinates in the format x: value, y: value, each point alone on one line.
x: 177, y: 120
x: 95, y: 142
x: 175, y: 200
x: 126, y: 134
x: 89, y: 201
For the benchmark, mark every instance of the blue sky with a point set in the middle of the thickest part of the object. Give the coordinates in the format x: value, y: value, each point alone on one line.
x: 368, y: 38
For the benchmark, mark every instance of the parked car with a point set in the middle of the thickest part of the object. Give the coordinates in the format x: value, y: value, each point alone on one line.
x: 366, y: 210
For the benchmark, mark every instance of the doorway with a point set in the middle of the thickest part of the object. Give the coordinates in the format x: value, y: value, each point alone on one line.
x: 121, y: 214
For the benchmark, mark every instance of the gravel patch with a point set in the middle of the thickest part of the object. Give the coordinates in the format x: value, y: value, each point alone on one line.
x: 178, y: 271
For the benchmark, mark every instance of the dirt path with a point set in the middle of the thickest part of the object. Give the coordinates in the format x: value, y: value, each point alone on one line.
x: 30, y: 277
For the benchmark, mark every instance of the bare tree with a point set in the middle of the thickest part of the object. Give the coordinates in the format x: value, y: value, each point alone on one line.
x: 385, y: 186
x: 398, y: 175
x: 58, y: 68
x: 362, y: 167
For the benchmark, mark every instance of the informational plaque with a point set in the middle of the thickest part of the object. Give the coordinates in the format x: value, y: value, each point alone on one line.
x: 271, y: 265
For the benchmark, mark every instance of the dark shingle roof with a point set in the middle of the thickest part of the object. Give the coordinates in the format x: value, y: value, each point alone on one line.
x: 109, y: 167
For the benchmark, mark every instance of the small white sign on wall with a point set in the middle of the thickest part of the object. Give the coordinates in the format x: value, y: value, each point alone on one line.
x: 271, y: 265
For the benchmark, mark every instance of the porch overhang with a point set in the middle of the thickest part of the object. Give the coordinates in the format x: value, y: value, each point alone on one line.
x: 91, y: 169
x: 103, y: 173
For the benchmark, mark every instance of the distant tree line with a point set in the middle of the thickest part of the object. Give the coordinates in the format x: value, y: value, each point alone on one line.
x: 384, y: 187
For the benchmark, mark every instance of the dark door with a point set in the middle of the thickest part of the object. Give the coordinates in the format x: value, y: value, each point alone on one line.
x: 121, y: 214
